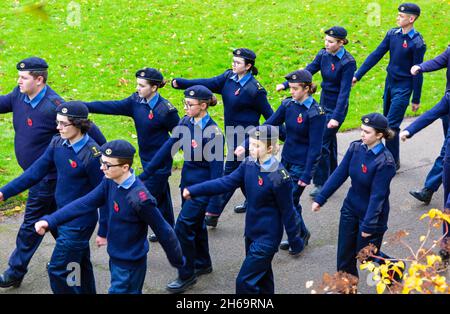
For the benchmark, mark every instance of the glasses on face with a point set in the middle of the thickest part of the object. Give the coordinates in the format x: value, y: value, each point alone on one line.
x: 188, y: 105
x: 63, y: 124
x: 108, y: 165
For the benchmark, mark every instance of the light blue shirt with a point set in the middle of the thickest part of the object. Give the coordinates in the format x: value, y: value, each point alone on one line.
x: 202, y: 122
x: 152, y: 103
x: 78, y: 145
x: 36, y: 100
x: 340, y: 53
x: 128, y: 182
x: 243, y: 80
x: 410, y: 33
x: 376, y: 149
x: 307, y: 103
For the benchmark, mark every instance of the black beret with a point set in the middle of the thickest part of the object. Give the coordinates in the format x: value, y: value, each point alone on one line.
x: 32, y: 64
x: 264, y: 132
x: 409, y: 8
x: 150, y: 74
x: 299, y: 76
x: 337, y: 32
x: 375, y: 120
x: 198, y: 92
x: 73, y: 109
x: 244, y: 53
x: 118, y: 149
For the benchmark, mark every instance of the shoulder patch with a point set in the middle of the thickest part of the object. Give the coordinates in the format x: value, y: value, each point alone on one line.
x: 284, y: 174
x: 56, y: 101
x: 170, y: 106
x: 418, y: 41
x: 95, y: 151
x: 259, y: 86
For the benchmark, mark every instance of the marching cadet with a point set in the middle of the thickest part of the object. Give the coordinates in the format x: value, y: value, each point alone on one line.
x: 365, y: 211
x: 154, y: 117
x: 337, y: 67
x: 130, y: 209
x: 440, y: 109
x: 269, y: 195
x: 194, y: 134
x: 406, y: 48
x: 76, y: 158
x: 33, y: 104
x: 305, y: 123
x: 244, y: 101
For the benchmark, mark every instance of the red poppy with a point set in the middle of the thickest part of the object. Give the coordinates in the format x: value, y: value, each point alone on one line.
x: 299, y: 119
x: 116, y: 207
x: 143, y: 196
x: 29, y: 122
x: 237, y: 91
x: 260, y: 181
x: 73, y: 163
x: 150, y: 115
x: 194, y: 144
x: 405, y: 44
x: 332, y: 67
x: 364, y: 168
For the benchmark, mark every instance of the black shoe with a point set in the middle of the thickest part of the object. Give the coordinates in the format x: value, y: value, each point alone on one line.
x: 317, y: 189
x: 397, y: 165
x: 240, y: 209
x: 153, y: 238
x: 284, y: 245
x: 211, y: 220
x: 306, y: 238
x: 203, y: 271
x: 7, y: 281
x: 423, y: 195
x: 47, y: 265
x: 179, y: 285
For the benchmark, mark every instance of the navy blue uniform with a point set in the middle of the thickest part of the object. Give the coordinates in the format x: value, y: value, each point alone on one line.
x: 130, y: 209
x: 337, y: 73
x: 198, y: 166
x: 305, y: 123
x: 405, y: 51
x: 269, y: 195
x: 34, y: 126
x: 153, y: 121
x: 366, y: 206
x: 244, y: 102
x: 78, y: 172
x: 442, y: 108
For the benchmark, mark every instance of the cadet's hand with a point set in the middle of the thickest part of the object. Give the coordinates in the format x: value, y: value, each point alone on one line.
x: 301, y: 183
x: 186, y: 194
x: 100, y: 241
x: 239, y: 151
x: 332, y: 124
x: 174, y: 84
x: 315, y: 207
x: 415, y: 69
x: 279, y: 87
x: 41, y: 227
x: 415, y: 107
x: 404, y: 135
x: 365, y: 235
x: 354, y: 81
x: 1, y: 197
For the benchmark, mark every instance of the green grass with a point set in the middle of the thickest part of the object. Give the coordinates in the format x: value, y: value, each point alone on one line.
x: 98, y: 59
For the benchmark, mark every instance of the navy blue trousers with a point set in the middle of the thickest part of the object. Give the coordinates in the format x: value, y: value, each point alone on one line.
x: 256, y: 275
x: 40, y: 202
x: 350, y: 242
x: 127, y: 280
x: 70, y: 269
x: 158, y: 186
x: 193, y: 236
x: 395, y: 102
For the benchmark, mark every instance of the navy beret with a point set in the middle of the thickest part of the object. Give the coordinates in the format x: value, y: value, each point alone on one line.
x: 264, y: 132
x: 150, y: 74
x: 244, y: 53
x: 337, y: 32
x: 299, y: 76
x: 198, y: 92
x: 32, y: 64
x: 73, y: 109
x: 409, y: 8
x: 118, y: 149
x: 375, y: 120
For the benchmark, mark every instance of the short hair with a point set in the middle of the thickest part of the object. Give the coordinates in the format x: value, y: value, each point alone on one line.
x: 36, y: 74
x: 83, y: 124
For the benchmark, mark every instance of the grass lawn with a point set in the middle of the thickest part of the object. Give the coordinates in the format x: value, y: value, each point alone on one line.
x: 97, y: 59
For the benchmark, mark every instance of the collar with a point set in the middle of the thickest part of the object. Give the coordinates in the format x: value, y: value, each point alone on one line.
x: 410, y: 33
x: 77, y: 146
x: 152, y: 103
x: 202, y: 122
x: 268, y: 165
x: 376, y: 149
x: 340, y: 53
x: 243, y: 80
x: 307, y: 103
x: 128, y: 182
x: 36, y: 100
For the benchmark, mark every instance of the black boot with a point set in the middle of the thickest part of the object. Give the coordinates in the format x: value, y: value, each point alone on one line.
x: 7, y: 281
x: 239, y: 209
x: 424, y: 195
x: 153, y: 238
x: 211, y: 220
x: 179, y: 285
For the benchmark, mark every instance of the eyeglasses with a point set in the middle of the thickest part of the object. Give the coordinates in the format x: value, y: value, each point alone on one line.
x: 63, y: 124
x: 188, y: 105
x: 107, y: 165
